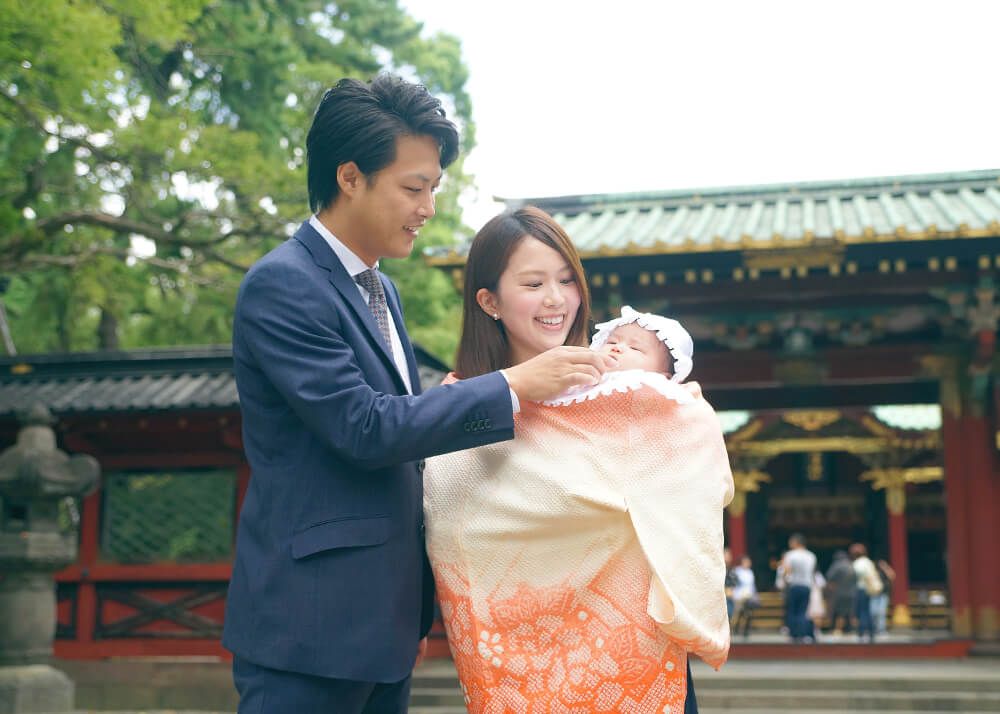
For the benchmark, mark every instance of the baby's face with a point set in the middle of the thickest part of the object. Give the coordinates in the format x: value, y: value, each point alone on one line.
x: 638, y: 348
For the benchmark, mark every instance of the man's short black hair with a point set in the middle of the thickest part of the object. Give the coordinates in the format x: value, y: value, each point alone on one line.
x: 360, y: 122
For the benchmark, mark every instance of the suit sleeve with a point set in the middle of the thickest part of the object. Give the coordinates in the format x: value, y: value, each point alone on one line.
x: 297, y: 343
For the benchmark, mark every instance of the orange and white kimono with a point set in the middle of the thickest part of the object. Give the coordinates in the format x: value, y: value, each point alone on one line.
x: 579, y: 563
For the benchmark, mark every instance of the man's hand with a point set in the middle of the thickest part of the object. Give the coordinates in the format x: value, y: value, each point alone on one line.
x: 421, y: 652
x: 556, y: 370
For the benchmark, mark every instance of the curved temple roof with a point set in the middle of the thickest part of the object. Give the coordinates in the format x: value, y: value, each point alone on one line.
x: 898, y: 208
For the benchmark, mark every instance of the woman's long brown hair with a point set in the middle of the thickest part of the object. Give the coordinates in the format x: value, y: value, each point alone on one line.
x: 483, y: 346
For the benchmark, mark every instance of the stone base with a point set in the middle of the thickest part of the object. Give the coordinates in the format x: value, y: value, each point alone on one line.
x: 37, y: 688
x: 985, y: 649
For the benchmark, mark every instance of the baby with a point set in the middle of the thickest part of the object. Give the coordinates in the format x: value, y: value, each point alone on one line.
x: 651, y: 350
x: 644, y: 341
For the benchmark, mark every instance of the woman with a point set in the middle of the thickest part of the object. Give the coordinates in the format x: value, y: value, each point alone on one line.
x: 561, y: 585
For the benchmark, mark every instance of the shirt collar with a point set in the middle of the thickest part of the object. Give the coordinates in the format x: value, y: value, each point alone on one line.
x: 352, y: 263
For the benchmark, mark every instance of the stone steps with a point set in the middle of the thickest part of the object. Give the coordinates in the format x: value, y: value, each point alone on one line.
x: 742, y: 687
x: 445, y: 701
x: 764, y: 689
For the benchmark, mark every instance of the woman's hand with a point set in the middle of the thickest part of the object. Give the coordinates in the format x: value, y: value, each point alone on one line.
x: 554, y: 371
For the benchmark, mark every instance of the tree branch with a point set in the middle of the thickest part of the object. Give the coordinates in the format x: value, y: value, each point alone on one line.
x: 40, y: 126
x: 123, y: 224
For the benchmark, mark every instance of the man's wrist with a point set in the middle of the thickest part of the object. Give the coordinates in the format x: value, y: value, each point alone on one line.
x: 515, y: 403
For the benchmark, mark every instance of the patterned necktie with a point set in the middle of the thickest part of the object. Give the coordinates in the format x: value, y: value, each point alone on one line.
x: 369, y: 280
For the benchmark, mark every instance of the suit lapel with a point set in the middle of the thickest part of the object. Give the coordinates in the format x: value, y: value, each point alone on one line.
x: 404, y: 337
x: 325, y: 258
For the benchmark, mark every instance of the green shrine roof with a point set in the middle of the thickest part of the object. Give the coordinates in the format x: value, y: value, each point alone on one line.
x: 899, y: 208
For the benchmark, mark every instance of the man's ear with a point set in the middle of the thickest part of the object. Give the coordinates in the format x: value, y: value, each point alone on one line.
x: 349, y: 178
x: 487, y: 301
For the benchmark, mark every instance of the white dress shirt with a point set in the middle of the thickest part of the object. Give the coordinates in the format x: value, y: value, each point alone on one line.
x: 355, y: 265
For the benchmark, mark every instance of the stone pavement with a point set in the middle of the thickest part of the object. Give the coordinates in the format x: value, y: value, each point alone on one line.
x: 742, y: 687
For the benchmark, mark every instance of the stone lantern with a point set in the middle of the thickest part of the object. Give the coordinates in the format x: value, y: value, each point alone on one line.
x: 37, y: 482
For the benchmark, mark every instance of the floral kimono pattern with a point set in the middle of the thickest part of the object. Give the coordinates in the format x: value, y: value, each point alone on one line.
x: 578, y: 564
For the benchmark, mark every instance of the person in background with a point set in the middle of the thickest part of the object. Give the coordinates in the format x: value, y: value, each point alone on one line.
x: 880, y: 602
x: 730, y: 582
x: 799, y: 568
x: 868, y: 585
x: 780, y: 585
x: 745, y: 597
x: 841, y: 583
x: 816, y: 612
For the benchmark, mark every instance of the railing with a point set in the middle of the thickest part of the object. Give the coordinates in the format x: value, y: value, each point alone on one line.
x: 154, y: 565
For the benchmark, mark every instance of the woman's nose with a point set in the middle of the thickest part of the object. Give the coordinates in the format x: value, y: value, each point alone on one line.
x: 554, y: 296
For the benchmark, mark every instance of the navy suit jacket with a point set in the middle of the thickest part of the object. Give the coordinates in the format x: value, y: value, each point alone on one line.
x: 330, y: 576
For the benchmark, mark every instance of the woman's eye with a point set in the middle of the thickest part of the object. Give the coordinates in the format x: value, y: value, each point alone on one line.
x: 567, y: 281
x: 533, y: 285
x: 414, y: 190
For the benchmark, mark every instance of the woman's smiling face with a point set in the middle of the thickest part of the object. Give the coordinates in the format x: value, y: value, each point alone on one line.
x: 537, y: 299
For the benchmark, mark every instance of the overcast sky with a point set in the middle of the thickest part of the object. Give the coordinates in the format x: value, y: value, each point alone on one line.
x: 604, y: 97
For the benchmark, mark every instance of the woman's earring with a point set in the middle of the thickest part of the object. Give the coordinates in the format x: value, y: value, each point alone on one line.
x: 496, y: 316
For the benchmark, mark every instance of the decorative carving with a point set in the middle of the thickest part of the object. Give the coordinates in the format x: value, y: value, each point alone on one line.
x: 792, y: 258
x: 747, y: 432
x: 894, y: 480
x: 813, y: 419
x: 801, y: 371
x: 745, y: 482
x: 814, y: 467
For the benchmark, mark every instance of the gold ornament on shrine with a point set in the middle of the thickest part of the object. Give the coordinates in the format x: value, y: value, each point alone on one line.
x: 894, y: 480
x: 745, y: 482
x: 813, y: 419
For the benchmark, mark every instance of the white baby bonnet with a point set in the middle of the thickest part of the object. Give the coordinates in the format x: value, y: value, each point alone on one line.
x: 668, y: 331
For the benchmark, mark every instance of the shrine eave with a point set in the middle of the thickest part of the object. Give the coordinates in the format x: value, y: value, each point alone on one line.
x: 773, y: 218
x: 136, y: 381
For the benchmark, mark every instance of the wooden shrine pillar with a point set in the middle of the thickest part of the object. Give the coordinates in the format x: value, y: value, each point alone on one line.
x: 899, y: 557
x: 894, y: 481
x: 736, y: 515
x: 972, y: 497
x: 956, y: 500
x: 983, y: 510
x: 744, y: 482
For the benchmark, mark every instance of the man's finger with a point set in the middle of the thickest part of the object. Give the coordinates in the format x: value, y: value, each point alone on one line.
x: 595, y: 359
x: 581, y: 379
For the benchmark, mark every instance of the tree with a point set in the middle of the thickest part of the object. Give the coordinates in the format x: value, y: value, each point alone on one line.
x: 150, y: 152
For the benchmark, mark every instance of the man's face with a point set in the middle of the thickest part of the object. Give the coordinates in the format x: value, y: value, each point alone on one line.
x: 637, y: 348
x: 392, y: 205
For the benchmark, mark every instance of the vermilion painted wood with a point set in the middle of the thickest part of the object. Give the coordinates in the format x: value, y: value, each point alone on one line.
x: 153, y: 572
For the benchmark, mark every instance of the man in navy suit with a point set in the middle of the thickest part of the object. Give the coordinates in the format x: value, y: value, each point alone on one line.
x: 331, y: 594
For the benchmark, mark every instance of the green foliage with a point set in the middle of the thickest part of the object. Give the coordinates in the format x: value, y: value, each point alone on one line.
x: 155, y: 517
x: 181, y: 125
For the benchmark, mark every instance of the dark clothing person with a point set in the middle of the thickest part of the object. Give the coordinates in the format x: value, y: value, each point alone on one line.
x: 691, y: 701
x: 841, y: 582
x: 799, y: 626
x: 730, y: 584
